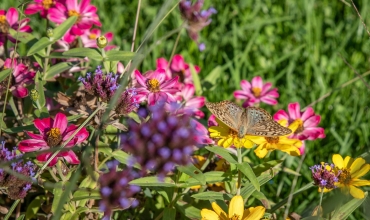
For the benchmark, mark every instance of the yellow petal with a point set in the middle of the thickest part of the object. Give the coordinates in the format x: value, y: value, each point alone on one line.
x: 237, y: 143
x: 361, y: 172
x: 236, y: 206
x: 228, y: 142
x: 208, y: 214
x: 338, y: 161
x: 356, y: 192
x: 289, y: 149
x: 257, y: 139
x: 358, y: 182
x: 219, y: 211
x: 254, y: 213
x: 357, y: 166
x: 325, y: 190
x: 261, y: 151
x: 348, y: 161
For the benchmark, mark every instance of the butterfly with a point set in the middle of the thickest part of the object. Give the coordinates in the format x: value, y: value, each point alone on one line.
x: 250, y: 120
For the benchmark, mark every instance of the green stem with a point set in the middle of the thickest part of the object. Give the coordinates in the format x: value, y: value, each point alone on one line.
x: 53, y: 175
x: 11, y: 209
x: 46, y: 59
x: 319, y: 208
x: 239, y: 151
x: 60, y: 172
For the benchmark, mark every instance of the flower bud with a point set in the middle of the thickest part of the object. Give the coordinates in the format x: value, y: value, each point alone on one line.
x: 101, y: 41
x: 49, y: 32
x: 34, y: 95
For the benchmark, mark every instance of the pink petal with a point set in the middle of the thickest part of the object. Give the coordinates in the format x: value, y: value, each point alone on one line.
x: 265, y: 88
x: 72, y: 5
x: 56, y: 14
x: 313, y: 133
x: 84, y: 4
x: 308, y: 113
x: 245, y: 85
x: 33, y: 8
x: 45, y: 157
x: 170, y: 83
x: 20, y: 92
x: 212, y: 121
x: 12, y: 16
x: 178, y: 63
x: 242, y: 94
x: 294, y: 110
x: 31, y: 145
x: 162, y: 63
x: 281, y: 114
x: 43, y: 125
x: 81, y: 135
x: 272, y: 93
x: 312, y: 121
x: 35, y: 136
x: 257, y: 82
x: 188, y: 91
x: 61, y: 122
x: 160, y: 75
x: 197, y: 102
x: 70, y: 157
x: 140, y: 79
x: 268, y: 100
x: 109, y: 36
x: 302, y: 148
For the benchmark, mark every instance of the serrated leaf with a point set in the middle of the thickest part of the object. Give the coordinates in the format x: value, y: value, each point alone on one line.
x: 345, y: 210
x: 194, y: 172
x: 196, y: 80
x: 153, y: 181
x: 169, y: 214
x: 41, y: 44
x: 210, y: 195
x: 5, y: 73
x: 34, y: 206
x: 246, y: 169
x: 56, y: 69
x: 91, y: 53
x: 225, y: 154
x: 114, y: 55
x: 123, y: 157
x: 59, y: 31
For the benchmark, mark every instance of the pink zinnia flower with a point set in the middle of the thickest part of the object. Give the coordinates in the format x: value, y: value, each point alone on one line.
x: 53, y: 132
x: 85, y: 12
x: 89, y: 38
x: 202, y: 136
x: 178, y: 68
x: 256, y: 92
x: 154, y: 86
x: 192, y: 104
x: 41, y: 6
x: 21, y: 78
x: 307, y: 121
x: 9, y: 19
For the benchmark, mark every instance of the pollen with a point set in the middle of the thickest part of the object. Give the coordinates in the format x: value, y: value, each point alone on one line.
x: 234, y: 217
x: 92, y: 36
x: 47, y: 4
x: 153, y: 85
x: 272, y: 140
x: 54, y: 137
x: 300, y: 126
x: 2, y: 19
x: 74, y: 13
x: 345, y: 176
x: 256, y: 91
x: 233, y: 133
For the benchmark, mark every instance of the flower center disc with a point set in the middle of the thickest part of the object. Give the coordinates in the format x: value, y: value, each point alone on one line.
x: 47, y: 4
x: 54, y: 137
x: 74, y: 13
x: 153, y: 85
x: 256, y: 91
x: 4, y: 25
x: 92, y: 36
x: 300, y: 126
x: 345, y: 176
x: 272, y: 140
x: 234, y: 217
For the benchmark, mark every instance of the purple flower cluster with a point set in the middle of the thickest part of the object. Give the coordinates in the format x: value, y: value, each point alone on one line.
x: 162, y: 142
x: 196, y: 17
x: 127, y: 102
x: 100, y: 85
x: 115, y: 190
x: 324, y: 175
x: 17, y: 188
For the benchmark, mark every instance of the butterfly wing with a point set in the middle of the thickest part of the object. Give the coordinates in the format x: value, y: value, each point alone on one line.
x: 228, y: 112
x: 260, y: 123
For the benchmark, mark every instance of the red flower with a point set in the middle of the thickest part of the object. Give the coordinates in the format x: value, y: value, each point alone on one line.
x: 53, y: 132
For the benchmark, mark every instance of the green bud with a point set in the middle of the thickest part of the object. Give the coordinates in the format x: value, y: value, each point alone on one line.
x: 49, y: 32
x: 34, y: 95
x: 101, y: 41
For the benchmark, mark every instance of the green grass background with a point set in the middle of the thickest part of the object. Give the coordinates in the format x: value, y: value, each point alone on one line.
x: 293, y: 44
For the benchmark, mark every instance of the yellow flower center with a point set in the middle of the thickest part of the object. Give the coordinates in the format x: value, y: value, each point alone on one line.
x: 234, y: 217
x: 272, y: 140
x: 4, y: 25
x: 153, y: 85
x: 2, y: 19
x: 345, y: 176
x: 54, y: 137
x: 300, y: 126
x: 233, y: 133
x: 47, y: 4
x: 74, y: 13
x: 256, y: 91
x: 92, y: 36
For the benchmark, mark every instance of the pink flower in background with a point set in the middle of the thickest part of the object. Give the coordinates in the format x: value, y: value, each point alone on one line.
x: 202, y: 136
x: 41, y: 6
x: 89, y: 38
x: 307, y: 121
x: 154, y: 87
x: 256, y: 92
x: 9, y: 19
x: 178, y: 68
x: 85, y: 12
x: 21, y: 78
x: 192, y: 104
x: 53, y: 132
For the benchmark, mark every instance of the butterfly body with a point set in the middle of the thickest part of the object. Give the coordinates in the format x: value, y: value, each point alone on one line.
x: 248, y: 121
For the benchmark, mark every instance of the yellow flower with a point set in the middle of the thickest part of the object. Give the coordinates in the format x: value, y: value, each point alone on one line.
x: 236, y: 211
x: 283, y: 143
x: 351, y: 170
x: 227, y: 137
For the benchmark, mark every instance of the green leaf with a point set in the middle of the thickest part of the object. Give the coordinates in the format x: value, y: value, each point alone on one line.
x: 196, y: 80
x: 188, y: 210
x: 39, y: 86
x: 57, y: 192
x: 260, y: 168
x: 123, y: 157
x: 85, y: 193
x: 43, y: 113
x: 223, y: 153
x: 262, y: 198
x: 21, y: 217
x: 114, y: 55
x: 344, y: 211
x: 5, y: 73
x: 78, y: 212
x: 169, y: 214
x: 210, y: 82
x: 39, y: 45
x: 246, y: 191
x: 211, y: 177
x: 91, y: 53
x: 23, y: 37
x: 34, y: 206
x: 153, y: 181
x: 246, y: 169
x: 63, y: 28
x: 56, y: 69
x: 210, y: 195
x: 194, y: 172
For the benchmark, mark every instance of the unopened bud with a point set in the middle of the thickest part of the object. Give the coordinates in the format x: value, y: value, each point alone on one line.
x: 101, y: 41
x: 34, y: 95
x: 49, y: 32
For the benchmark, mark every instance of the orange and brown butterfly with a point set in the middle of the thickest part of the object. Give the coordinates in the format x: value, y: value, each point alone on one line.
x: 247, y: 121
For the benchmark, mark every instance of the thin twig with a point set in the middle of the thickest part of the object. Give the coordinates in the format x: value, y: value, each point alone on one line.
x: 359, y: 75
x: 96, y: 153
x: 135, y: 29
x: 359, y: 15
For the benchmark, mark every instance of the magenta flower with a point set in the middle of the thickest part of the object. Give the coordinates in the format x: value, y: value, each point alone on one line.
x: 307, y: 120
x: 192, y: 104
x: 154, y: 87
x: 89, y: 38
x: 9, y: 19
x: 178, y: 68
x: 202, y: 135
x: 41, y: 6
x: 256, y: 92
x: 21, y: 78
x: 85, y: 12
x: 53, y: 132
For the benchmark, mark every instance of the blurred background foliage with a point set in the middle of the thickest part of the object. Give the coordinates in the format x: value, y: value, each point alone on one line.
x: 296, y: 45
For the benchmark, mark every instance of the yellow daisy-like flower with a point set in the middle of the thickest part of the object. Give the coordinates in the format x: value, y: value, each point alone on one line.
x: 283, y: 143
x: 236, y: 211
x: 351, y: 170
x: 227, y: 137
